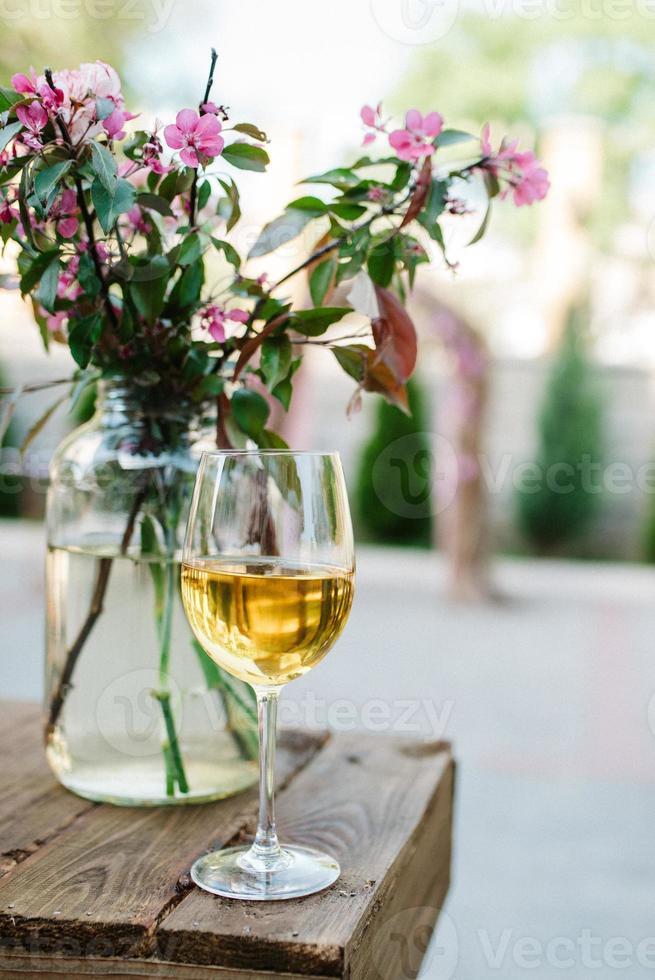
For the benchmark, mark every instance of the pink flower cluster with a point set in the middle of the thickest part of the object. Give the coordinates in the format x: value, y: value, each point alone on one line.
x: 214, y: 319
x: 75, y: 97
x: 527, y: 179
x: 197, y: 137
x: 413, y: 142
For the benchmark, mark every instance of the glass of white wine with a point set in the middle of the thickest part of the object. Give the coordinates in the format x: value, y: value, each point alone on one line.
x: 267, y: 584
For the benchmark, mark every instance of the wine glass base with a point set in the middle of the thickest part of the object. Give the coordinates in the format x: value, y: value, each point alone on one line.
x: 308, y: 871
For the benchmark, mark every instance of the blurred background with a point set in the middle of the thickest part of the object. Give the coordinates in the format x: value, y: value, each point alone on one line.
x: 507, y: 527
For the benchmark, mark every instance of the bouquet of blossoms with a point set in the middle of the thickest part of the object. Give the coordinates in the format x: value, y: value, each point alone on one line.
x: 116, y: 232
x: 124, y: 247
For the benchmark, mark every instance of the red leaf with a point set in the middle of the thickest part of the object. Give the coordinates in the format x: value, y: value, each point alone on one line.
x: 372, y: 374
x: 420, y: 195
x: 394, y: 335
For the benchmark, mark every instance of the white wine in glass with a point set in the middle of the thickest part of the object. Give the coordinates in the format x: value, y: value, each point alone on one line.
x: 267, y: 584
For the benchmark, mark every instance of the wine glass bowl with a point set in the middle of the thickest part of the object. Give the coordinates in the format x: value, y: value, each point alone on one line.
x: 267, y: 585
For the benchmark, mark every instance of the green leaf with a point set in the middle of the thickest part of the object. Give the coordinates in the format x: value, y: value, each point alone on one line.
x: 280, y: 231
x: 82, y: 335
x: 46, y: 180
x: 450, y: 137
x: 250, y: 411
x: 190, y: 250
x: 46, y: 294
x: 155, y: 203
x: 110, y: 204
x: 271, y: 440
x: 148, y: 286
x: 321, y: 280
x: 34, y: 269
x: 340, y: 177
x: 346, y: 211
x: 229, y: 251
x: 229, y: 208
x: 382, y: 263
x: 246, y: 157
x: 8, y: 133
x: 186, y: 292
x: 87, y: 276
x: 401, y: 180
x: 103, y: 165
x: 313, y: 204
x: 251, y: 130
x: 483, y: 226
x: 209, y: 387
x: 312, y: 323
x: 435, y: 203
x: 275, y: 360
x: 204, y: 193
x: 104, y: 108
x: 9, y: 98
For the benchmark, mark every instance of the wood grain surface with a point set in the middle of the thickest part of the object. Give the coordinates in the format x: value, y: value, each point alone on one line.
x: 95, y: 890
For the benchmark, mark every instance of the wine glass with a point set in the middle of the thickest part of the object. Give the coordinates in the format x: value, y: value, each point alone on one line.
x: 267, y: 585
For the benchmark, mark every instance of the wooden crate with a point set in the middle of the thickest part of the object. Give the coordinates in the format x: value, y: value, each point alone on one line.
x: 94, y: 890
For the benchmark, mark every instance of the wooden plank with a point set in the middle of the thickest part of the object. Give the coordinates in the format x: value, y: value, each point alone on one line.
x: 374, y: 803
x: 33, y: 806
x: 100, y: 887
x: 22, y: 966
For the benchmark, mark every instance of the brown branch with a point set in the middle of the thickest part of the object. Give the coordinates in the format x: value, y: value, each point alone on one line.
x: 95, y: 610
x: 252, y: 345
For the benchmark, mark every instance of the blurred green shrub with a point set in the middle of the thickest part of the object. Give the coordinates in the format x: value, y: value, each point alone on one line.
x: 555, y: 503
x: 392, y: 490
x: 10, y: 486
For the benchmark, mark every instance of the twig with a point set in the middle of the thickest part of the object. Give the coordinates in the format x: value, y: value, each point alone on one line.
x: 95, y: 610
x: 194, y: 186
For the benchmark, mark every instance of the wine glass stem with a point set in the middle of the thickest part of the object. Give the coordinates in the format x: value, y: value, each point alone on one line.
x: 265, y: 854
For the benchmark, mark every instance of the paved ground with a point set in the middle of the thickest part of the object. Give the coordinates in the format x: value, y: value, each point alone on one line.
x: 546, y: 696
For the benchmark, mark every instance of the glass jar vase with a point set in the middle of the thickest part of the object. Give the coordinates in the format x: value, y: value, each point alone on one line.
x: 136, y: 712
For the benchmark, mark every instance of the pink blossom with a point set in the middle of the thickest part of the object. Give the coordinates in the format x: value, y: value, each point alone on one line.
x: 214, y: 318
x: 137, y: 221
x: 533, y: 183
x: 152, y: 151
x: 67, y: 286
x: 416, y: 140
x: 196, y: 136
x: 114, y: 123
x: 55, y: 322
x: 65, y: 214
x: 25, y: 84
x: 525, y: 178
x: 7, y: 213
x: 377, y: 194
x: 80, y: 88
x: 373, y: 118
x: 34, y: 118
